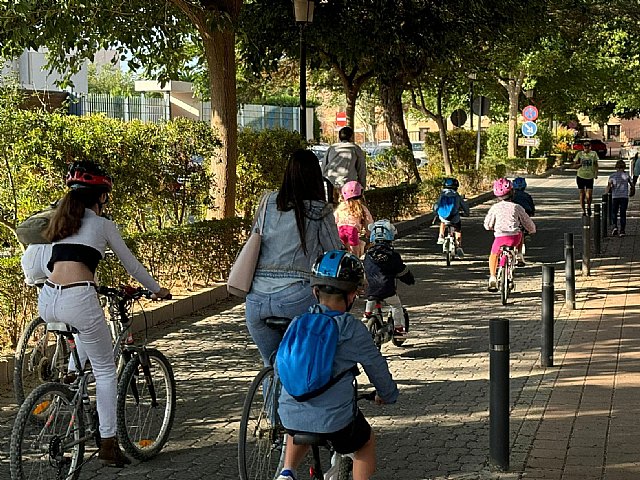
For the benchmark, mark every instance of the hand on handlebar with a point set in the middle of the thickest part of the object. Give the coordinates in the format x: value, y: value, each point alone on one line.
x: 163, y: 293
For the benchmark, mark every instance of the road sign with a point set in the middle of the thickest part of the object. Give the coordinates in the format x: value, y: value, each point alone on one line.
x: 530, y: 113
x: 529, y: 129
x: 528, y: 142
x: 485, y: 105
x: 458, y: 117
x: 341, y: 119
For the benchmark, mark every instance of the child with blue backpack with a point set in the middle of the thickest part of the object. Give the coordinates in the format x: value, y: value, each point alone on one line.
x: 448, y: 208
x: 324, y: 346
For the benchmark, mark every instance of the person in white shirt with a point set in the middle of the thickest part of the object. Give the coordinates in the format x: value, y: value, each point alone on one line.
x: 345, y: 162
x: 79, y: 237
x: 618, y: 185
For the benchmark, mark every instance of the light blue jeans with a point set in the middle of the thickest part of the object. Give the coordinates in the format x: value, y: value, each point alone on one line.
x: 290, y: 302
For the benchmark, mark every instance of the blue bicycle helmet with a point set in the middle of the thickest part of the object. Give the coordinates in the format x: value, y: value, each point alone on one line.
x: 338, y: 269
x: 382, y: 231
x: 519, y: 183
x: 451, y: 183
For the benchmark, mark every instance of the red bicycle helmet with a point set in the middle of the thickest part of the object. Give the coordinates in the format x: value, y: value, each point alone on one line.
x: 88, y: 174
x: 502, y: 187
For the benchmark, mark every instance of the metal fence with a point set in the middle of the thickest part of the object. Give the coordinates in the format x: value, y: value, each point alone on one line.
x: 152, y: 109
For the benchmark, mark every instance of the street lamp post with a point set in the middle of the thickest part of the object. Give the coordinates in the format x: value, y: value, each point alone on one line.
x: 472, y: 77
x: 303, y: 10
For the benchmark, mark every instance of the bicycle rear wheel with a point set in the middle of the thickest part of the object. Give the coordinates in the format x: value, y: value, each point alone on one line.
x: 47, y: 438
x: 503, y: 284
x: 345, y: 468
x: 447, y: 250
x: 40, y: 357
x: 262, y: 439
x: 146, y: 405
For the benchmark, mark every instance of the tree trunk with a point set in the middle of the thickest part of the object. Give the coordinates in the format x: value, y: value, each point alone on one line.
x: 391, y: 98
x: 444, y: 143
x: 513, y: 85
x: 219, y: 49
x: 351, y: 93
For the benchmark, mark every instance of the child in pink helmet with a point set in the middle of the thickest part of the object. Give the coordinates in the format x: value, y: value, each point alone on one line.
x: 352, y: 217
x: 505, y: 219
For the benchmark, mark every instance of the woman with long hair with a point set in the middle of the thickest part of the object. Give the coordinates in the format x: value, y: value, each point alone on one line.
x: 298, y: 227
x: 80, y: 236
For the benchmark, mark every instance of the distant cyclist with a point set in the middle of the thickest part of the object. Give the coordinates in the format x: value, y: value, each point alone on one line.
x: 525, y: 200
x: 352, y: 217
x: 587, y: 163
x: 505, y: 219
x: 448, y: 208
x: 384, y: 267
x: 336, y: 278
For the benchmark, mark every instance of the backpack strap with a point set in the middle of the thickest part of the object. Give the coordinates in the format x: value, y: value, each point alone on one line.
x: 307, y: 396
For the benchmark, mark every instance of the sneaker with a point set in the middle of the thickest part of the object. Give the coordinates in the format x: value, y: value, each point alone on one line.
x: 286, y: 475
x: 614, y: 232
x: 622, y: 234
x: 493, y: 284
x: 459, y: 252
x: 440, y: 241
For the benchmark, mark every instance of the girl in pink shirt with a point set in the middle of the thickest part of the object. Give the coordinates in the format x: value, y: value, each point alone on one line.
x: 505, y: 218
x: 352, y: 218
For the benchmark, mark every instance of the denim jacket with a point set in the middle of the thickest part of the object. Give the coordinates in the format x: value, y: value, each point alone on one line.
x: 282, y: 262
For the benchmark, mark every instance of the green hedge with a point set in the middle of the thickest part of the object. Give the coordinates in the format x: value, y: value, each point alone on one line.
x: 18, y: 303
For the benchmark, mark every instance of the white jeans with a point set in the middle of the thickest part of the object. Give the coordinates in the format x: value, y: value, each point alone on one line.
x: 396, y: 309
x: 34, y: 263
x: 79, y: 307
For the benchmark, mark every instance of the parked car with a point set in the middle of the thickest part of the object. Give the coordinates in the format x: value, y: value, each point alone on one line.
x: 418, y: 153
x: 597, y: 146
x: 630, y: 149
x: 320, y: 150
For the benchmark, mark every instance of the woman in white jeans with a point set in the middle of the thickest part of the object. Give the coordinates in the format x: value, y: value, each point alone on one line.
x: 80, y: 236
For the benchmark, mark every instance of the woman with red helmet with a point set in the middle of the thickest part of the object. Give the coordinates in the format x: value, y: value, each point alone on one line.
x: 80, y: 237
x: 505, y: 219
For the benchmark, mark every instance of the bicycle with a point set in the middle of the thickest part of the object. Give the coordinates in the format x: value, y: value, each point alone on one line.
x: 262, y: 438
x: 506, y: 267
x: 450, y: 245
x: 384, y: 331
x: 56, y: 420
x: 42, y: 356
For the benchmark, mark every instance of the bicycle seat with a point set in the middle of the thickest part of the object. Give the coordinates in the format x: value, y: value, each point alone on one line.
x: 277, y: 323
x: 313, y: 439
x: 60, y: 327
x: 509, y: 248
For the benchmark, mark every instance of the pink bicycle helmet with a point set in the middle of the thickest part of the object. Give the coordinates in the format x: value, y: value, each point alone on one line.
x: 502, y: 187
x: 351, y: 189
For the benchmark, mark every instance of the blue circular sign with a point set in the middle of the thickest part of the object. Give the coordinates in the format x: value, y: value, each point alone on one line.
x: 529, y: 129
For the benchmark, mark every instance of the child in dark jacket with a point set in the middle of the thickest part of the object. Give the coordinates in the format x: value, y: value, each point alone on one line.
x: 522, y: 198
x: 383, y: 265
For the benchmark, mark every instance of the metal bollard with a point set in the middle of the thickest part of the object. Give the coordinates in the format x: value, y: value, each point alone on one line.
x: 586, y: 246
x: 596, y: 229
x: 499, y: 394
x: 569, y: 272
x: 548, y: 295
x: 605, y: 214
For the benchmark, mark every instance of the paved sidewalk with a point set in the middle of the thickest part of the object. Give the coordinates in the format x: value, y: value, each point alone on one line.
x: 575, y: 420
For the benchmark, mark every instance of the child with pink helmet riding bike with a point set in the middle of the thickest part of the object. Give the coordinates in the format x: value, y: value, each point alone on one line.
x: 505, y: 219
x: 352, y: 217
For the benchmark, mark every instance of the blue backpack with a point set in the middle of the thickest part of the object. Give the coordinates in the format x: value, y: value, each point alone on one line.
x: 305, y: 355
x: 447, y: 208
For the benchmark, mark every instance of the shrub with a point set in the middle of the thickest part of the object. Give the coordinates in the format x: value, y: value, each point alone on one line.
x: 498, y: 140
x: 393, y: 203
x: 17, y: 303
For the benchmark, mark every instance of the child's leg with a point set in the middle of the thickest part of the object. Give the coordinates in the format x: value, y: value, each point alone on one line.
x: 293, y: 454
x: 624, y: 203
x: 615, y: 206
x: 368, y: 308
x: 396, y: 310
x: 441, y: 232
x: 493, y: 264
x: 364, y: 461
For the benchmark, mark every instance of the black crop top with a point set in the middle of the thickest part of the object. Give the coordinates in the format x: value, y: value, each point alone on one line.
x: 75, y: 252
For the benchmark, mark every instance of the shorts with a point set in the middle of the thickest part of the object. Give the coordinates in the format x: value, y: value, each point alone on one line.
x: 584, y: 183
x: 506, y: 241
x: 349, y: 235
x: 457, y: 227
x: 351, y: 438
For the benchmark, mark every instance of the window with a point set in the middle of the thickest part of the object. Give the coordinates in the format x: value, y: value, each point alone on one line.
x: 613, y: 132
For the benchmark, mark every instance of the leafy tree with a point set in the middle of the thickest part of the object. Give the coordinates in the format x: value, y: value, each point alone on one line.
x: 156, y: 34
x: 109, y: 79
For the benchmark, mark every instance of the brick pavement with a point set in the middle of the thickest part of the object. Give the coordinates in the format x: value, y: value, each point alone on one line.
x: 575, y: 420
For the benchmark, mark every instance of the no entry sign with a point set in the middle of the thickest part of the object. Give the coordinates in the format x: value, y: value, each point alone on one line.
x: 341, y: 119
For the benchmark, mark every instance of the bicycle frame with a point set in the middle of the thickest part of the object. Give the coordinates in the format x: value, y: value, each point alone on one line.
x: 506, y: 269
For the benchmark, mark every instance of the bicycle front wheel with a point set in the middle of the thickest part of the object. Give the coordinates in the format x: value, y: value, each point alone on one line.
x: 262, y: 439
x: 40, y: 357
x: 146, y: 405
x: 447, y: 250
x: 47, y: 438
